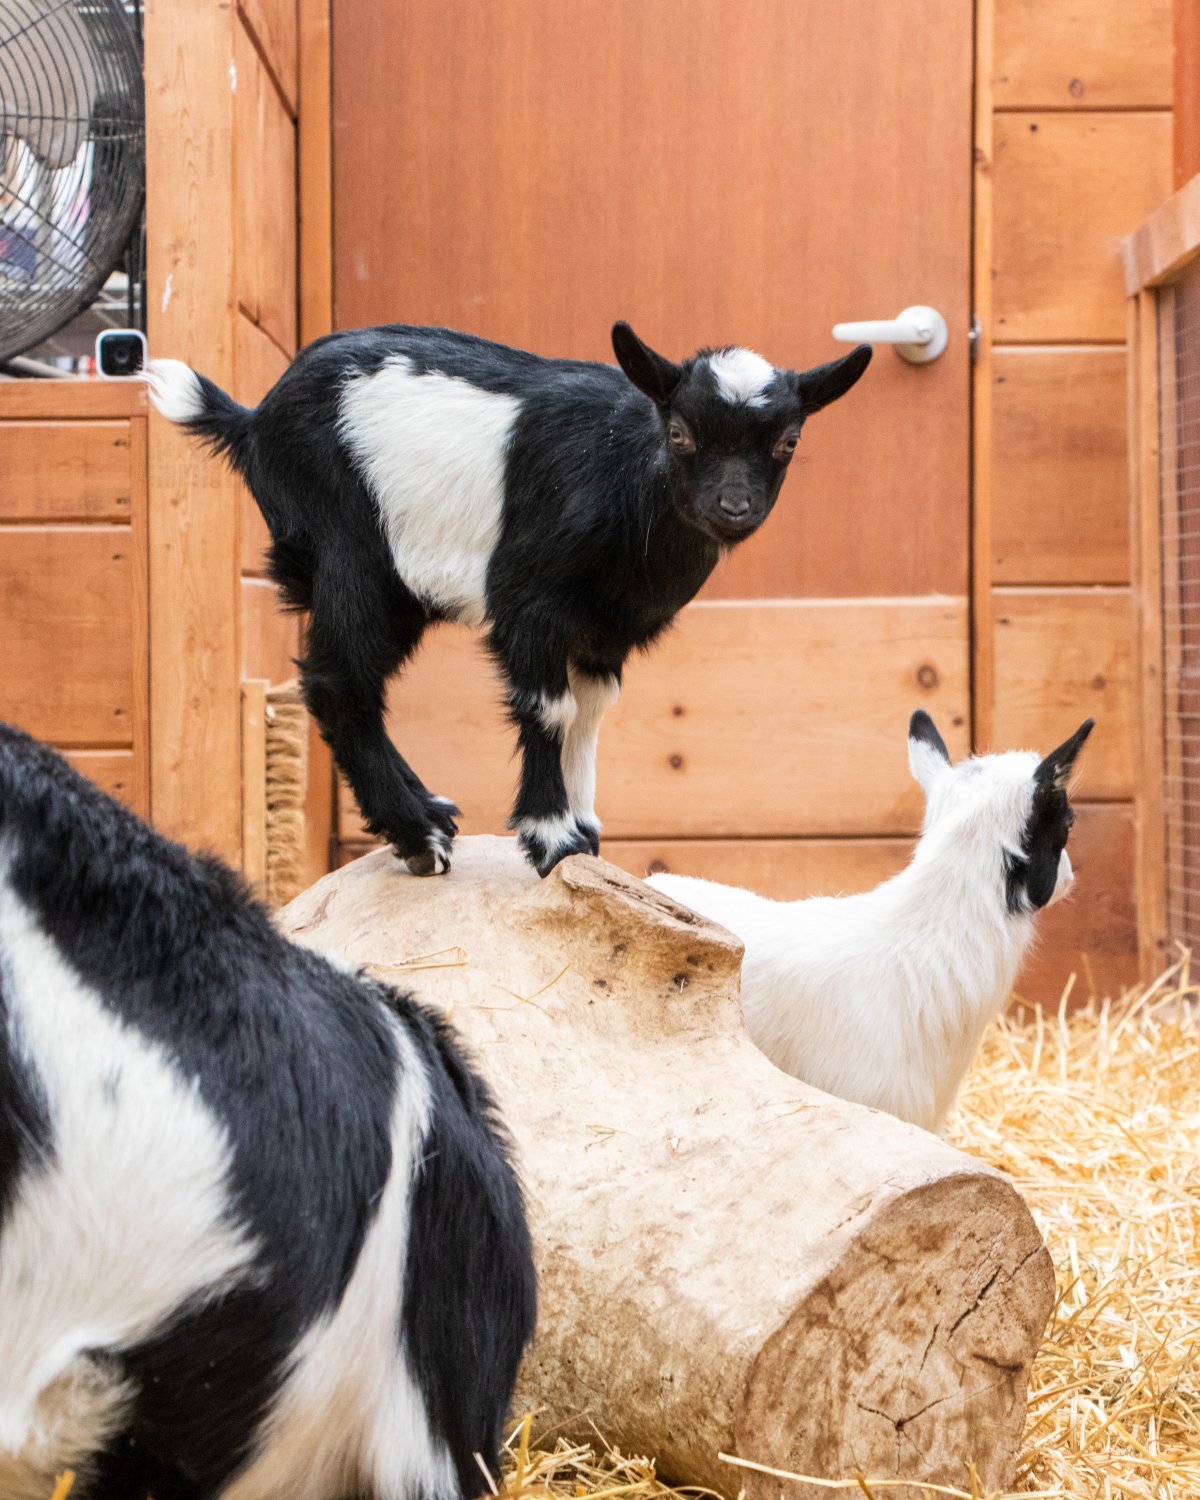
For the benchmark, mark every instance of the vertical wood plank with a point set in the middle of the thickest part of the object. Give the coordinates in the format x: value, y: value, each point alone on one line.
x: 316, y: 171
x: 140, y: 527
x: 1187, y: 91
x: 315, y: 161
x: 254, y: 782
x: 195, y: 700
x: 982, y: 645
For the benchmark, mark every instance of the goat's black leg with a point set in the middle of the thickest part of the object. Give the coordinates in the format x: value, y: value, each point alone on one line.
x: 543, y: 707
x: 361, y: 630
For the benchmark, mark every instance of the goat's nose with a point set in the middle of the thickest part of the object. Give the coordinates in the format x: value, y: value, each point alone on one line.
x: 735, y: 504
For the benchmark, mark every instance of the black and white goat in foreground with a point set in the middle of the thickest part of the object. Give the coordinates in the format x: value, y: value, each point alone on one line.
x: 259, y: 1234
x: 884, y: 997
x: 411, y: 475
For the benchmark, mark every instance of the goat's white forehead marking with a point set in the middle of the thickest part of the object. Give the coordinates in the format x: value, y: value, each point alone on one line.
x: 741, y: 375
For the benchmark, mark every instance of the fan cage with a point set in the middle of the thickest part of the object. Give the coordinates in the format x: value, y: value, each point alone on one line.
x: 72, y: 162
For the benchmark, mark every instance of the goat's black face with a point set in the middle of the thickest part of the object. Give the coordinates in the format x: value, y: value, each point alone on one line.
x: 730, y: 424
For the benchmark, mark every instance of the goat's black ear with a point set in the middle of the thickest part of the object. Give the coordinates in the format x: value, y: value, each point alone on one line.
x: 818, y: 387
x: 655, y: 376
x: 927, y: 753
x: 1055, y: 771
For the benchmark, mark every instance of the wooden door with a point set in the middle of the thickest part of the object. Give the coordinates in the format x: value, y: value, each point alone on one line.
x: 713, y: 172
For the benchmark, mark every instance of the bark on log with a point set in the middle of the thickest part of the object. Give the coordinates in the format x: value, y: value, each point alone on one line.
x: 729, y: 1259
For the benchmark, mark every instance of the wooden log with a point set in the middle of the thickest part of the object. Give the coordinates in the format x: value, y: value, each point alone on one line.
x: 729, y: 1260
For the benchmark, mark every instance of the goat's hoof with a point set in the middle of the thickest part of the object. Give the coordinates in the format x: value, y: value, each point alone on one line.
x: 443, y: 812
x: 434, y: 859
x: 591, y: 831
x: 547, y: 841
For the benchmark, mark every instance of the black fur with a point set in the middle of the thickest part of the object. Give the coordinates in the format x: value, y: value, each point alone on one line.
x: 300, y: 1063
x: 621, y: 491
x: 921, y: 727
x: 1029, y: 880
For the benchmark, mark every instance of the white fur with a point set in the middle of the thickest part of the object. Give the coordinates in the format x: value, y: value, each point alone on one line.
x: 557, y: 714
x: 555, y: 834
x: 174, y: 389
x: 742, y: 376
x: 883, y: 997
x: 351, y: 1418
x: 594, y: 696
x: 130, y: 1219
x: 432, y: 449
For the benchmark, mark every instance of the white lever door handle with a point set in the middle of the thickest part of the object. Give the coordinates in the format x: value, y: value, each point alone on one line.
x: 919, y: 333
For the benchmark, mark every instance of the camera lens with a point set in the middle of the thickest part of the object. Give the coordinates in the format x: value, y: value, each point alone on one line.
x: 120, y: 354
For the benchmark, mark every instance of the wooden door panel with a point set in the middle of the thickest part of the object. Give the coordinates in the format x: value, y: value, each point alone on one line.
x: 749, y: 719
x: 715, y: 173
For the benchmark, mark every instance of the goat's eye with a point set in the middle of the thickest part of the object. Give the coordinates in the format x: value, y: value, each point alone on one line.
x: 786, y: 445
x: 680, y: 438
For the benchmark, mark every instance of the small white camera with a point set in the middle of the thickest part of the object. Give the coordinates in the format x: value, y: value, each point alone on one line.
x: 120, y: 353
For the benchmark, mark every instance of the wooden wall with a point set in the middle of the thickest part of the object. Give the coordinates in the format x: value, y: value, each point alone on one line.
x: 73, y: 575
x: 224, y: 136
x: 1073, y: 150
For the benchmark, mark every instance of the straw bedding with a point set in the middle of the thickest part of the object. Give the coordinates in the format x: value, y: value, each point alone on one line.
x: 1096, y: 1117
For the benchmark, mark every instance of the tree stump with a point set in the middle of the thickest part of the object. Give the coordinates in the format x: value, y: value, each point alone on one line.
x: 729, y: 1260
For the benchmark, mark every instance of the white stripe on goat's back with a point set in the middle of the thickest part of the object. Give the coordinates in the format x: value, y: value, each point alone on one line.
x: 350, y: 1417
x: 432, y: 449
x: 128, y: 1219
x: 741, y: 375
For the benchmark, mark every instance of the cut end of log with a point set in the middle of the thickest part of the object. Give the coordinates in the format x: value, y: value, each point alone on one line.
x: 729, y: 1260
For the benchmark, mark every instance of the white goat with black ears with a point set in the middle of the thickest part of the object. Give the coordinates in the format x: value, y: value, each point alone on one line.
x: 883, y: 997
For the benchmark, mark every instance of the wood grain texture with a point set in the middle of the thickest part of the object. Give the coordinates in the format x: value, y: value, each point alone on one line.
x: 1187, y: 91
x: 1060, y: 495
x: 114, y: 772
x: 1067, y: 188
x: 65, y: 400
x: 315, y: 144
x: 492, y: 172
x: 1083, y: 54
x: 270, y: 635
x: 254, y: 782
x: 265, y: 177
x: 982, y: 664
x: 274, y: 27
x: 66, y: 616
x: 65, y: 471
x: 1063, y: 656
x: 1165, y: 243
x: 1146, y: 537
x: 749, y: 718
x: 258, y: 363
x: 785, y: 869
x: 194, y: 543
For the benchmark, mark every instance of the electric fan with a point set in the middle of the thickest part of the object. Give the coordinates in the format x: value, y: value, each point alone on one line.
x: 72, y: 158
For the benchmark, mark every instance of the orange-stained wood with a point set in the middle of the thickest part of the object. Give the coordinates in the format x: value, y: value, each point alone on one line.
x: 67, y: 595
x: 1063, y: 656
x: 265, y: 177
x: 273, y: 26
x: 1084, y: 54
x: 1187, y: 91
x: 71, y: 400
x: 195, y: 701
x: 258, y: 363
x: 1164, y: 244
x: 1060, y: 492
x: 1067, y: 188
x: 270, y: 635
x: 704, y: 742
x: 713, y: 173
x: 114, y: 772
x: 65, y: 471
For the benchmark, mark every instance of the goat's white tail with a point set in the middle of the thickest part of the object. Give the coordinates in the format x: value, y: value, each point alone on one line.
x: 175, y: 390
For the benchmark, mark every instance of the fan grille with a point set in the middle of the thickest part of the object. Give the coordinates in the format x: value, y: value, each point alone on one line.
x: 72, y: 158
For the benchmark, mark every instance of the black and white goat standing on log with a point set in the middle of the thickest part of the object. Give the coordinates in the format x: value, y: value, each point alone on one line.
x: 884, y: 997
x: 259, y: 1234
x: 411, y: 475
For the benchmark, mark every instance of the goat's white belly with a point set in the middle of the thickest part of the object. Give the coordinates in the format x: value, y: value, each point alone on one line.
x: 432, y: 449
x: 129, y: 1218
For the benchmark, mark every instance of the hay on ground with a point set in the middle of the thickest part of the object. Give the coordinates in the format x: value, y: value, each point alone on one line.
x: 1096, y: 1117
